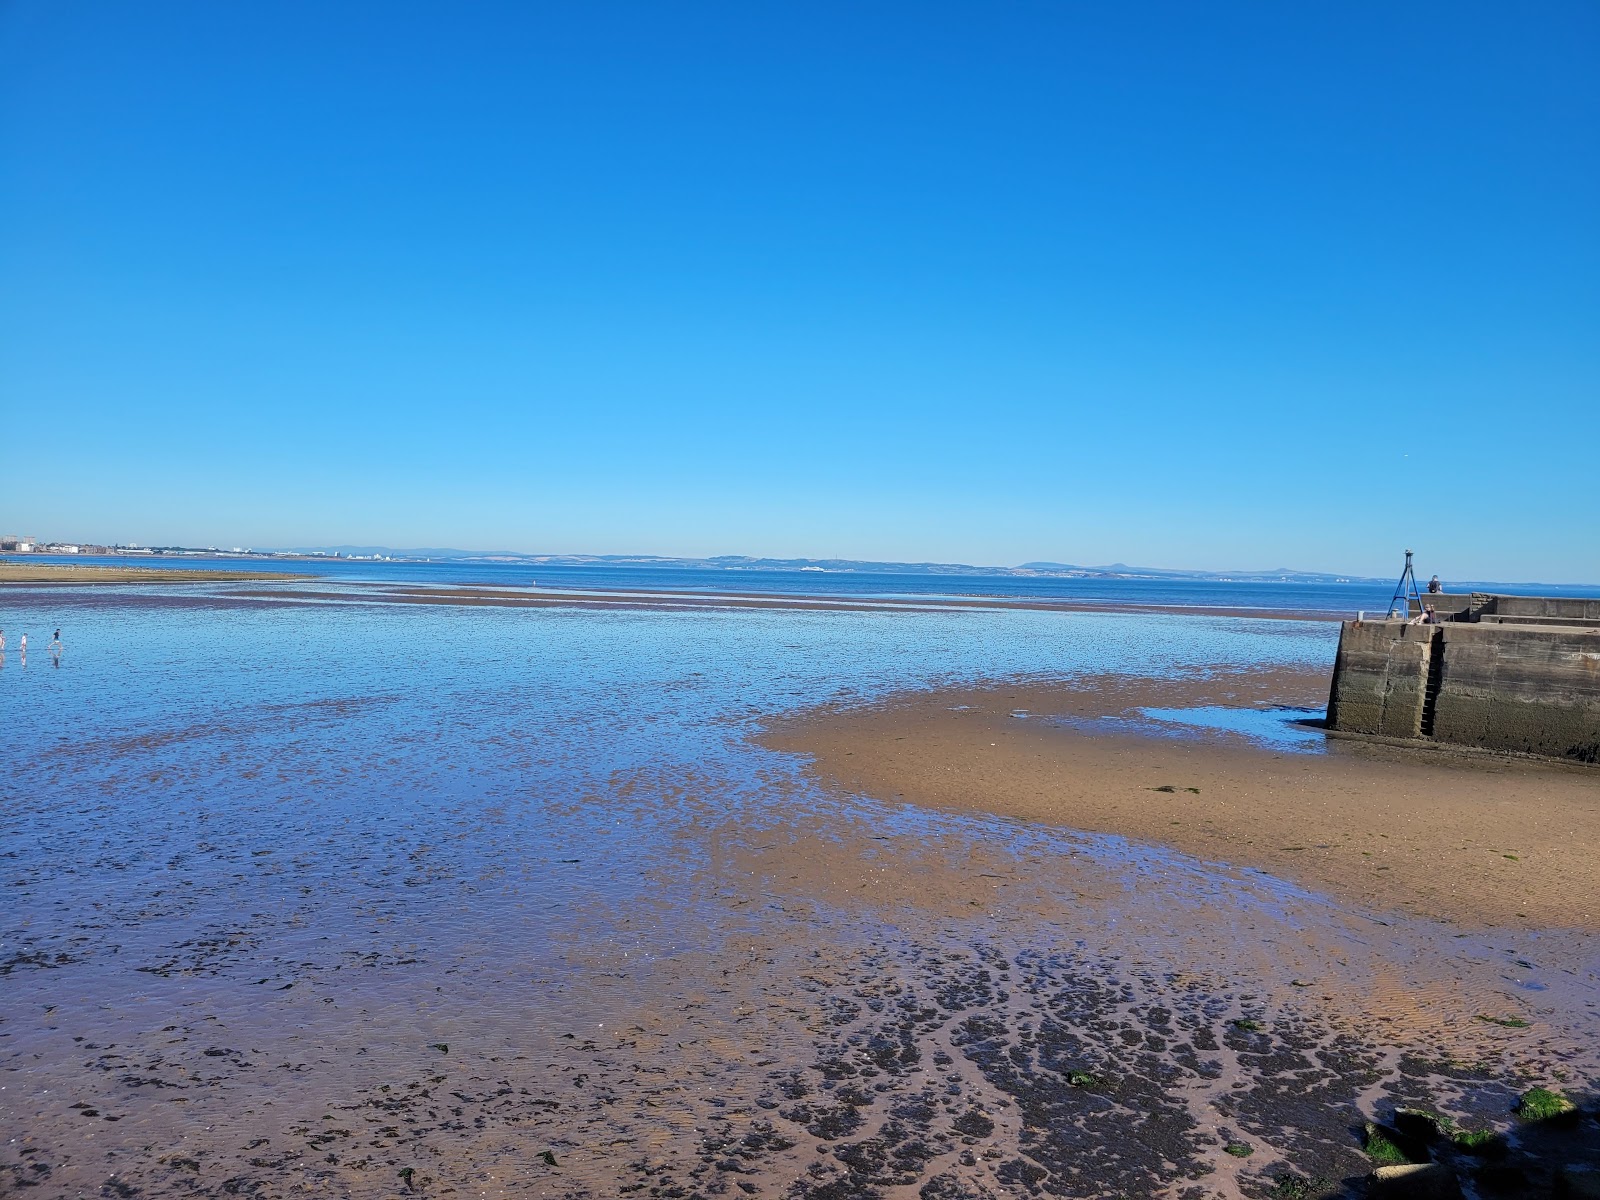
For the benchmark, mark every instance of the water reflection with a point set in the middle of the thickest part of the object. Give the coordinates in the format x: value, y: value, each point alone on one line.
x: 1283, y: 726
x: 1280, y: 728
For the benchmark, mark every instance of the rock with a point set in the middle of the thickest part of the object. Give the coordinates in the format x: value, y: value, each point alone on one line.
x: 1421, y: 1124
x: 1416, y: 1181
x: 1387, y: 1146
x: 1544, y: 1104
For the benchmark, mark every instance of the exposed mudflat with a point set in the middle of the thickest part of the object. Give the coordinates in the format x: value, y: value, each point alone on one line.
x: 58, y: 574
x: 327, y: 592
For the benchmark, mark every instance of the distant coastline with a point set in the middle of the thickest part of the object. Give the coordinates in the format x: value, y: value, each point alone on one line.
x: 725, y: 562
x: 1216, y: 592
x: 344, y: 557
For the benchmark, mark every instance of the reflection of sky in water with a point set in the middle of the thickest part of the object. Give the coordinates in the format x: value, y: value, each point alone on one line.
x: 1278, y: 728
x: 445, y: 765
x: 131, y: 671
x: 1283, y: 727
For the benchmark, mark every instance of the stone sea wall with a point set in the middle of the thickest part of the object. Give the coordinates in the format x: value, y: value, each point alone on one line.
x: 1524, y: 688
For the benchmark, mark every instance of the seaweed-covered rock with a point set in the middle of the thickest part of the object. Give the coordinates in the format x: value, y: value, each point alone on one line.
x: 1544, y: 1104
x: 1387, y: 1146
x: 1426, y: 1127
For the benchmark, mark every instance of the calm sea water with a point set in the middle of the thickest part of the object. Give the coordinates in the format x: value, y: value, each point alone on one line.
x: 1323, y: 598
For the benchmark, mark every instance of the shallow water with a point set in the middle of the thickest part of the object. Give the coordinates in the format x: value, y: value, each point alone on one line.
x: 1279, y: 727
x: 1323, y: 597
x: 262, y: 861
x: 1283, y: 727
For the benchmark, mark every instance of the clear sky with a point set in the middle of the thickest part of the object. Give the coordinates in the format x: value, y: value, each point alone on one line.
x: 1190, y: 285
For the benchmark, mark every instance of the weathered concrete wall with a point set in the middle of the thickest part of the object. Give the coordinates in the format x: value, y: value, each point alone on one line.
x: 1445, y: 603
x: 1380, y: 678
x: 1461, y: 606
x: 1518, y: 688
x: 1501, y: 687
x: 1562, y: 607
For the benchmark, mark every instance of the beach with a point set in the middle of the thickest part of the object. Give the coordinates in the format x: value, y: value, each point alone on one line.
x: 314, y: 896
x: 1479, y: 840
x: 681, y: 602
x: 13, y: 572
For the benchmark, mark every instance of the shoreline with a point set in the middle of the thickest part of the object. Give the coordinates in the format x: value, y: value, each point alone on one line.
x: 1471, y: 840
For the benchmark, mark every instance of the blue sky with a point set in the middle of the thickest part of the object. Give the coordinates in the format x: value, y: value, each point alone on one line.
x: 1220, y: 285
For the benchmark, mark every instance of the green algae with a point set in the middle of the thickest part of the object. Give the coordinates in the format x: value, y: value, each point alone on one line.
x: 1381, y: 1146
x: 1475, y: 1141
x: 1294, y: 1187
x: 1541, y: 1104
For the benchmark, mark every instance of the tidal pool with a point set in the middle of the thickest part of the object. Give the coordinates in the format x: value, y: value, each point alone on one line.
x: 1281, y: 726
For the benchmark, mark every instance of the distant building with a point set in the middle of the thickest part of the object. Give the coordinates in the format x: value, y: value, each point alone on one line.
x: 13, y: 544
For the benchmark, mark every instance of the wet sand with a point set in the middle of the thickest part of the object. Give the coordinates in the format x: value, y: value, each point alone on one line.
x: 850, y: 1010
x: 70, y: 574
x: 455, y: 596
x: 1475, y: 840
x: 574, y: 597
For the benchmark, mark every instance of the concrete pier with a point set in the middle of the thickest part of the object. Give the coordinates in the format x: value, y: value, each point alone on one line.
x: 1518, y: 673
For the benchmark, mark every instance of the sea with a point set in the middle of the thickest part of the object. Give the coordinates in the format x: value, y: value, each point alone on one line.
x: 1283, y: 595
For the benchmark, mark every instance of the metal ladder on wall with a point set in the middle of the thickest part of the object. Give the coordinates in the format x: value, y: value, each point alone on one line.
x: 1430, y: 696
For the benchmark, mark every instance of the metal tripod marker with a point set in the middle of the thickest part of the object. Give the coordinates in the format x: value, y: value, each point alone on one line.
x: 1400, y: 602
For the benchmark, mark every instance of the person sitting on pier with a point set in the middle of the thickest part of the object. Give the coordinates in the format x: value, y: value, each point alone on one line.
x: 1426, y: 617
x: 1434, y: 586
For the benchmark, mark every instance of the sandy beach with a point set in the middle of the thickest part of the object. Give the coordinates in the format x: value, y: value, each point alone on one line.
x: 1471, y: 839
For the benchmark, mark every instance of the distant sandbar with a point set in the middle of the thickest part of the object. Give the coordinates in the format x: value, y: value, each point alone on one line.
x: 15, y: 572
